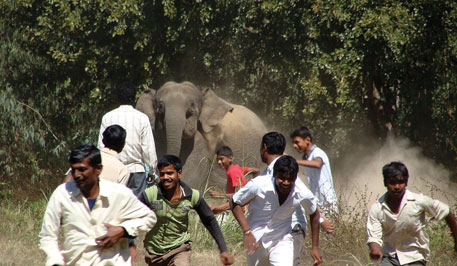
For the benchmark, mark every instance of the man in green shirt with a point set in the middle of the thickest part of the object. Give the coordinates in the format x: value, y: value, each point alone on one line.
x: 168, y: 242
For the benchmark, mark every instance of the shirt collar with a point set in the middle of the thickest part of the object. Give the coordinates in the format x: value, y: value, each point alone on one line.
x: 186, y: 190
x: 271, y: 165
x: 125, y: 106
x: 408, y: 196
x: 109, y: 151
x: 305, y: 156
x: 75, y: 191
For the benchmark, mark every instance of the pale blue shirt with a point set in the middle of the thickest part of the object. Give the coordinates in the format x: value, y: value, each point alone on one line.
x: 320, y: 179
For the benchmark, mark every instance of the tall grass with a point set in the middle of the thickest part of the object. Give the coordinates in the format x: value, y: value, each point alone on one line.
x: 20, y: 224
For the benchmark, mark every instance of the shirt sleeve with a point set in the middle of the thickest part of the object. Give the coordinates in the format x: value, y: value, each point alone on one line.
x: 436, y: 208
x: 148, y: 145
x: 320, y: 154
x: 374, y: 227
x: 246, y: 193
x: 136, y: 216
x: 210, y: 222
x: 50, y: 231
x: 309, y: 202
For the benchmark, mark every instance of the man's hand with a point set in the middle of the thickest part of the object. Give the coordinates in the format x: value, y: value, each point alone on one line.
x: 133, y: 253
x: 250, y: 244
x: 375, y: 251
x: 327, y: 226
x: 316, y: 255
x: 111, y: 237
x: 227, y: 258
x: 216, y: 194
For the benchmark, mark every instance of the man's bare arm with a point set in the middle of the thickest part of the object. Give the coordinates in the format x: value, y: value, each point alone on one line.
x: 316, y: 163
x: 451, y: 222
x: 249, y: 241
x: 315, y: 254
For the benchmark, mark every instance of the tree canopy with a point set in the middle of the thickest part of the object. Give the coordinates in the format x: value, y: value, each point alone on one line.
x: 339, y: 67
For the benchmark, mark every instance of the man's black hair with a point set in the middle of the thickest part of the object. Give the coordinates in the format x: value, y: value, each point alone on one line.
x: 224, y: 151
x: 126, y: 93
x: 302, y: 132
x: 167, y: 160
x: 86, y: 151
x: 285, y: 164
x: 275, y: 143
x: 394, y: 169
x: 114, y: 137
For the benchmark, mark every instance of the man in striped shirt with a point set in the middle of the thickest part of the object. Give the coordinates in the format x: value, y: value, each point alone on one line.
x: 139, y: 146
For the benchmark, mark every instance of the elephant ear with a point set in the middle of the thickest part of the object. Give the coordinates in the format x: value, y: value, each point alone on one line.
x: 213, y: 110
x: 146, y: 103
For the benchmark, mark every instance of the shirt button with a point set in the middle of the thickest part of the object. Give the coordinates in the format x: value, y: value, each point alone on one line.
x: 93, y: 221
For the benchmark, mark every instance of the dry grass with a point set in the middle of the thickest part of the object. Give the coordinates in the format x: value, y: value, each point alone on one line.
x: 20, y: 224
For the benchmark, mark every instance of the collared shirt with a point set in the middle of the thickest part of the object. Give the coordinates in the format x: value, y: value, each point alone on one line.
x: 68, y: 210
x: 269, y: 221
x: 139, y: 146
x: 298, y: 217
x: 113, y: 169
x: 404, y: 233
x: 320, y: 179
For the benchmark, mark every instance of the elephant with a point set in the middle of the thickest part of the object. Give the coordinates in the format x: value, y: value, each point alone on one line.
x: 192, y: 123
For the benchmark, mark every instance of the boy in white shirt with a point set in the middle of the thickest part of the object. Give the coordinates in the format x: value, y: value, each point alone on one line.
x: 396, y: 221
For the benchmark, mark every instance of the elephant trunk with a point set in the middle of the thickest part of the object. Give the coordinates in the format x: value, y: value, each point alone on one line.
x: 174, y: 128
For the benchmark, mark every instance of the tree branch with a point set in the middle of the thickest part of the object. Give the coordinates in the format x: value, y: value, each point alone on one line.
x: 41, y: 118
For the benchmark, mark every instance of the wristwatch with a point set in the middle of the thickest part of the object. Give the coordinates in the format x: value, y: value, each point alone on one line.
x: 321, y: 220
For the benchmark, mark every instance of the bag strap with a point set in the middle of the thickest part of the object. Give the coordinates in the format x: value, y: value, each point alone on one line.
x: 151, y: 193
x: 195, y: 197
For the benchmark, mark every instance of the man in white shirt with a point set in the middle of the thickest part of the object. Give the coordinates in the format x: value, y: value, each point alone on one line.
x: 94, y: 216
x: 398, y: 218
x: 271, y: 149
x: 317, y: 166
x: 139, y: 145
x: 267, y: 232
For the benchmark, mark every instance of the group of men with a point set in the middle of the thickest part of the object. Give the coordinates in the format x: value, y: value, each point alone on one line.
x: 104, y: 203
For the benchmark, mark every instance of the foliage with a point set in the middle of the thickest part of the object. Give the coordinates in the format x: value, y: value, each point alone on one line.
x: 340, y: 67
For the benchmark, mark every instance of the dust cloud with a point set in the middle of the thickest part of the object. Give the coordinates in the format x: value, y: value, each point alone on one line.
x: 359, y: 176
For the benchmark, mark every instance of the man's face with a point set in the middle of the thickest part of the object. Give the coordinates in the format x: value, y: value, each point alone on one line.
x: 285, y: 182
x: 223, y: 161
x: 302, y: 145
x: 396, y: 186
x: 169, y: 177
x: 85, y: 175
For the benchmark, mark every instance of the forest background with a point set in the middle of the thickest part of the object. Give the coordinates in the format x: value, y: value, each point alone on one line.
x: 346, y: 69
x: 359, y: 73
